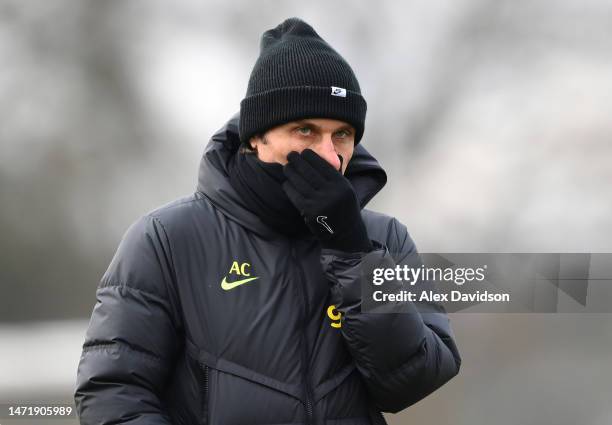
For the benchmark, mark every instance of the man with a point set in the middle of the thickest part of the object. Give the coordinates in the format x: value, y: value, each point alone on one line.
x: 242, y: 303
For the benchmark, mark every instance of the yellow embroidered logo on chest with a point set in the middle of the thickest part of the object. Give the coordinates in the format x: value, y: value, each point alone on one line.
x: 239, y: 274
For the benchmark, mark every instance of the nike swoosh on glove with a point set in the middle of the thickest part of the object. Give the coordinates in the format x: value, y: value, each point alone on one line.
x: 327, y: 201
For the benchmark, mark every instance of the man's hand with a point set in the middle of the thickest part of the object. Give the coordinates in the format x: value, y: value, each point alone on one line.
x: 327, y: 201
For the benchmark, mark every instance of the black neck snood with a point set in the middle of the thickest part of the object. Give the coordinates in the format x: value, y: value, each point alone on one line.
x: 260, y: 185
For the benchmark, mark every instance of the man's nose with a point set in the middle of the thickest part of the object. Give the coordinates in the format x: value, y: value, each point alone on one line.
x: 326, y: 150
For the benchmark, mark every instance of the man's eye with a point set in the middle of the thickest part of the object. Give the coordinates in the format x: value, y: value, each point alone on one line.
x: 343, y: 134
x: 304, y: 131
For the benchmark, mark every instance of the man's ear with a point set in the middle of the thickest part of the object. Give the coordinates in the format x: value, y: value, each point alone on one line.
x: 256, y: 140
x: 252, y: 143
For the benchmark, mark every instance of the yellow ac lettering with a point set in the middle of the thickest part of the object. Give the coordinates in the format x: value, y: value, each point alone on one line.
x: 240, y: 269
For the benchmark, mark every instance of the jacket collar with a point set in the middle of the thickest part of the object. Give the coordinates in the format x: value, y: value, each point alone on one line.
x: 364, y: 172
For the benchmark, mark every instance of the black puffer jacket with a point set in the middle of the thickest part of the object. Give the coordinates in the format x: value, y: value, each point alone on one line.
x: 167, y: 344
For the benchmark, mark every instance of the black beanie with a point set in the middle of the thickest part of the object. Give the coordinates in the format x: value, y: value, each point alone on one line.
x: 298, y: 75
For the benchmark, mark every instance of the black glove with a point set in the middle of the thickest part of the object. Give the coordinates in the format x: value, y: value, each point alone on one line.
x: 327, y: 201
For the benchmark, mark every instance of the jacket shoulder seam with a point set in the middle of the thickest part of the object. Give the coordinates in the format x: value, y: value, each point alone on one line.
x: 388, y: 231
x: 400, y: 242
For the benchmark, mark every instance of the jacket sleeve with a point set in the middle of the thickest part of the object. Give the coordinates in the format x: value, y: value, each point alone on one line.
x: 402, y: 356
x: 132, y: 335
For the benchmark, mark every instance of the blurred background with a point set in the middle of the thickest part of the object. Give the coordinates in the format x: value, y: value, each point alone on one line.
x: 491, y: 118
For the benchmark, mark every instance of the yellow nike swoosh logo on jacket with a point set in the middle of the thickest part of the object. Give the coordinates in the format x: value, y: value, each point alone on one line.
x: 230, y: 285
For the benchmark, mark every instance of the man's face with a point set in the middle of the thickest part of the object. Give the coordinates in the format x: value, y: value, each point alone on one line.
x: 327, y: 137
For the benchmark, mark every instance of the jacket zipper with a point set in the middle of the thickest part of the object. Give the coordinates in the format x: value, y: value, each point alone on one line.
x: 204, y: 384
x: 308, y: 407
